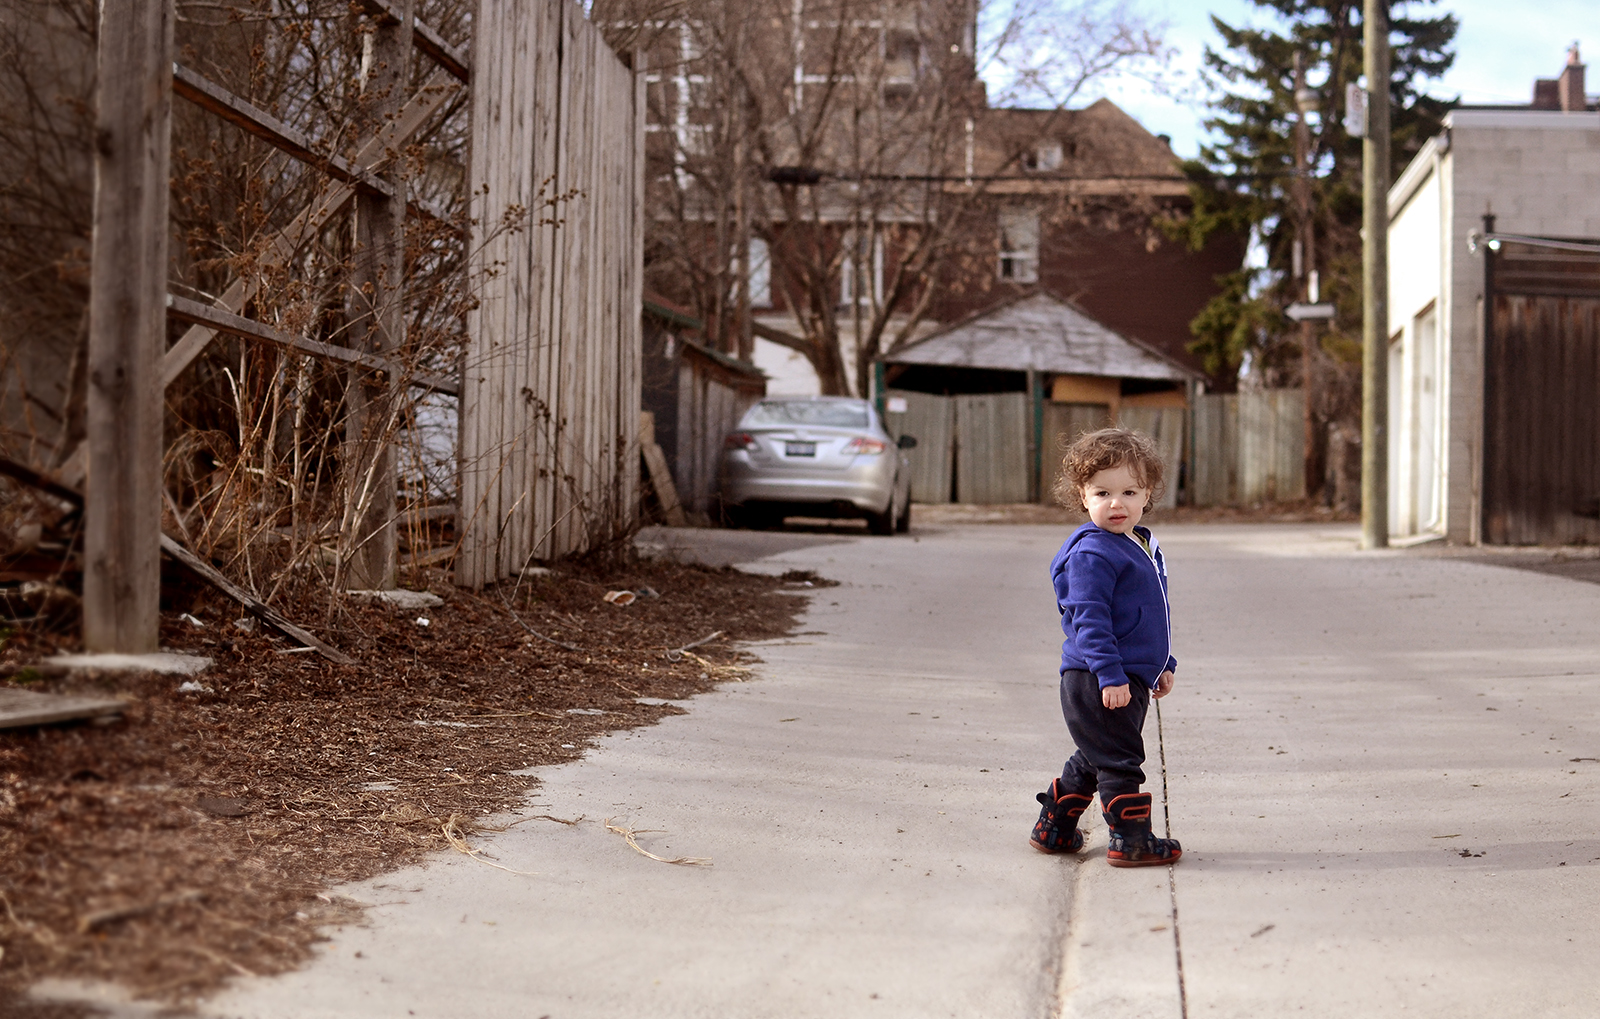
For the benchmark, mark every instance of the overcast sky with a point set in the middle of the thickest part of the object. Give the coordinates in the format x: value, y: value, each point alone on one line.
x: 1502, y: 46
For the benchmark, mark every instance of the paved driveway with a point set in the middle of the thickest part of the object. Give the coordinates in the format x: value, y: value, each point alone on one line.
x: 865, y: 806
x: 1371, y: 765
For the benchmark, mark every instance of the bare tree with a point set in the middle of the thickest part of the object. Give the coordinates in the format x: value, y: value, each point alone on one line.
x: 847, y: 140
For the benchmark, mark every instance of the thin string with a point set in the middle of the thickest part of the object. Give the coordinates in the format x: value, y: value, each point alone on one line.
x: 1172, y: 880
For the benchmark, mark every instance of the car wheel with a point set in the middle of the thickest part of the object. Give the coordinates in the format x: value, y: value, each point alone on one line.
x: 882, y: 523
x: 903, y: 524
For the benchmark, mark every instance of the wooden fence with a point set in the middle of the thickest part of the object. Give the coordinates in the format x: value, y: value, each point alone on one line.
x: 978, y: 449
x: 550, y: 394
x: 972, y: 449
x: 1248, y: 448
x: 992, y: 448
x: 1064, y: 422
x: 549, y: 390
x: 932, y: 420
x: 130, y: 310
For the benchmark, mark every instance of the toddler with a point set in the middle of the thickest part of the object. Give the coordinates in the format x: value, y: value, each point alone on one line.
x: 1111, y: 589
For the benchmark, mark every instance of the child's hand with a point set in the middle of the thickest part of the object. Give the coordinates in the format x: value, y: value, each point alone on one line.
x: 1164, y: 684
x: 1115, y: 697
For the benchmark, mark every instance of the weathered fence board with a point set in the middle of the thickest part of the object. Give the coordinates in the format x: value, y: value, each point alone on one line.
x: 1249, y: 448
x: 981, y: 444
x: 1215, y: 469
x: 1063, y: 423
x: 992, y: 448
x: 1164, y: 425
x: 931, y: 420
x: 550, y: 389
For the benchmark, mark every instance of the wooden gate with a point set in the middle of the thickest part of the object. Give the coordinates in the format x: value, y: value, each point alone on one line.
x: 976, y: 449
x: 972, y: 449
x: 1541, y: 423
x: 931, y: 420
x: 992, y: 448
x: 550, y: 389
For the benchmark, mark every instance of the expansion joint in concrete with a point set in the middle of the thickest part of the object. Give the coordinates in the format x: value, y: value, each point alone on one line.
x: 1172, y: 877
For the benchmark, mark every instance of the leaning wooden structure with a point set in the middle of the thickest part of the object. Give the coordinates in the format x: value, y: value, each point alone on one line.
x: 549, y: 391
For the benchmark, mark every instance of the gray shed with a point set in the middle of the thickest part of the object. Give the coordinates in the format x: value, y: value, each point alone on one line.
x: 994, y: 398
x: 697, y: 396
x: 1041, y: 333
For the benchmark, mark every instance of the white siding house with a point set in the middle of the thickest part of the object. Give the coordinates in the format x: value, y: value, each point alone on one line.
x: 1538, y: 172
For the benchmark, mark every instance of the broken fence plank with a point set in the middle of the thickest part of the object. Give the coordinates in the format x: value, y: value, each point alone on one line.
x: 661, y: 478
x: 199, y: 567
x: 255, y: 606
x: 20, y: 708
x: 421, y: 107
x: 43, y: 482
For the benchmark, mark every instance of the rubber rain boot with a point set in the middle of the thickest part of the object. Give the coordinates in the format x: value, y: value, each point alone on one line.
x: 1056, y: 831
x: 1133, y: 844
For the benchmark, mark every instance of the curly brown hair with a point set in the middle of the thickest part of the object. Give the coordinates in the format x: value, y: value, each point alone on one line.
x: 1100, y: 451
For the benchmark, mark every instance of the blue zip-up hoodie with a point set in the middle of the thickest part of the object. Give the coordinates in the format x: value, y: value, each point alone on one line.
x: 1113, y: 602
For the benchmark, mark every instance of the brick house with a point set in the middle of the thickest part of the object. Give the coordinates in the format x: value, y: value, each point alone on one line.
x: 1070, y: 205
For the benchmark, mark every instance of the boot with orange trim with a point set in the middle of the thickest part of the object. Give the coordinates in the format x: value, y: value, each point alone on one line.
x: 1056, y: 831
x: 1133, y: 844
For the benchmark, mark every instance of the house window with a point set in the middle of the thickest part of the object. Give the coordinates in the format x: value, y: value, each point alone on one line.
x: 1046, y: 156
x: 1019, y: 245
x: 760, y: 274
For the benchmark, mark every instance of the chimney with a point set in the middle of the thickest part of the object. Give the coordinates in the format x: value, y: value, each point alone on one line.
x: 1570, y: 84
x: 1546, y: 94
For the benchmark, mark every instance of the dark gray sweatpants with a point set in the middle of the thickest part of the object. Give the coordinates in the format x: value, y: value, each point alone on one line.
x: 1110, y: 754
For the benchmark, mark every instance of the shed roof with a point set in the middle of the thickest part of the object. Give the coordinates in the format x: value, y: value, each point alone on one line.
x: 732, y: 364
x: 1040, y: 332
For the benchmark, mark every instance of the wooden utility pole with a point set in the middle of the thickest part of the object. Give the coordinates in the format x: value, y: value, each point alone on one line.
x: 127, y: 327
x: 1375, y: 282
x: 1306, y: 101
x: 378, y: 306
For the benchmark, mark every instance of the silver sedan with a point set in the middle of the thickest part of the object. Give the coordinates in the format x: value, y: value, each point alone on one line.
x: 824, y: 456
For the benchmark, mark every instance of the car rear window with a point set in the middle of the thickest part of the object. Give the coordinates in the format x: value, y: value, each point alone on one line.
x: 835, y: 413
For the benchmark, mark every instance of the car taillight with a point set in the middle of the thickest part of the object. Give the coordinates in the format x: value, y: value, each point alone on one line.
x: 739, y: 440
x: 860, y: 445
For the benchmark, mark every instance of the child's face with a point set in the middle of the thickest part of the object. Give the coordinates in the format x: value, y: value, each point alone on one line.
x: 1115, y: 499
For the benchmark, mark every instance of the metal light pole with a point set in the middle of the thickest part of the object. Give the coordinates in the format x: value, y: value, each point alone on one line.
x: 1375, y: 282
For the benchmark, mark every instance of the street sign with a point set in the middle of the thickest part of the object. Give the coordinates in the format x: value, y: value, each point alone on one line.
x: 1309, y: 312
x: 1355, y: 110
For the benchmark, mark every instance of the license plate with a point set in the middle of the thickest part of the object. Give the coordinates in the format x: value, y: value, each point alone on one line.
x: 799, y: 449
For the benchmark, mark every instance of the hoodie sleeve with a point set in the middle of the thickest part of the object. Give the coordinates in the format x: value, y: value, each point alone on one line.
x: 1083, y: 589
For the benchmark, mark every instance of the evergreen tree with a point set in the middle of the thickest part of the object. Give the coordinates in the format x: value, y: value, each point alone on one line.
x: 1246, y: 180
